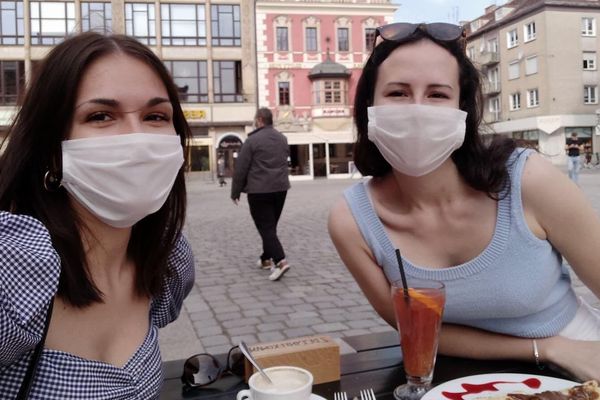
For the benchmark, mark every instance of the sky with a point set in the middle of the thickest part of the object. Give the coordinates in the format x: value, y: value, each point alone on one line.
x: 452, y: 11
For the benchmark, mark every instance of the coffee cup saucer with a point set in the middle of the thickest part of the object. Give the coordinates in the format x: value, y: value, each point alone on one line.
x: 316, y: 397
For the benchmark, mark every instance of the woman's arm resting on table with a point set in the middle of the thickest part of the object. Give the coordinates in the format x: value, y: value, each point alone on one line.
x: 455, y: 340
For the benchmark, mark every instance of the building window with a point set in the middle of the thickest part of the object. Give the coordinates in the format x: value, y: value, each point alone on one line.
x: 494, y: 79
x: 589, y: 60
x: 329, y: 92
x: 515, y: 101
x: 512, y: 38
x: 282, y: 38
x: 533, y: 99
x: 51, y: 22
x: 283, y: 89
x: 11, y: 23
x: 226, y: 25
x: 12, y: 82
x: 495, y: 108
x: 191, y: 79
x: 183, y: 24
x: 369, y: 39
x: 471, y: 52
x: 96, y: 17
x: 492, y: 45
x: 343, y: 39
x: 590, y: 94
x: 311, y: 39
x: 513, y: 70
x: 531, y: 65
x: 227, y: 81
x: 527, y: 138
x: 588, y: 26
x: 140, y: 22
x: 529, y: 31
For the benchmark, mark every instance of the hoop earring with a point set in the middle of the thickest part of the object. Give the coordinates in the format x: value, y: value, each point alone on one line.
x: 51, y: 183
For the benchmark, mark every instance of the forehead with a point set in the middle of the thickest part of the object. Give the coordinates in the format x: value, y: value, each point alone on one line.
x: 119, y: 75
x: 422, y: 59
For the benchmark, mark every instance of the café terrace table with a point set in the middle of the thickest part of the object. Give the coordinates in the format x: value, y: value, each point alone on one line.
x: 377, y: 364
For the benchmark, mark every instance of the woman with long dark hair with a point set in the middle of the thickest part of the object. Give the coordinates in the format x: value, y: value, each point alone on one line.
x: 490, y: 221
x: 92, y: 204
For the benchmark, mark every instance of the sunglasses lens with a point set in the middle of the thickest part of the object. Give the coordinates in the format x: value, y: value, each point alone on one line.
x: 235, y: 360
x: 397, y: 31
x: 201, y: 369
x: 444, y: 32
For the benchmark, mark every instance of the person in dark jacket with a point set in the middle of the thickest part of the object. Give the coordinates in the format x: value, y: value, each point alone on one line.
x: 261, y: 170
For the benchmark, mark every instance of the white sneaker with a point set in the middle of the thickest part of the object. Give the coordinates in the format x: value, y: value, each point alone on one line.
x: 279, y: 269
x: 266, y: 264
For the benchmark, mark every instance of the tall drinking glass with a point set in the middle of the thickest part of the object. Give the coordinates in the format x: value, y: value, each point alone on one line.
x: 419, y: 318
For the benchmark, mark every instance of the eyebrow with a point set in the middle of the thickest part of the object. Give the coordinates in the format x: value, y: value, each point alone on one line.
x: 432, y: 86
x: 114, y: 103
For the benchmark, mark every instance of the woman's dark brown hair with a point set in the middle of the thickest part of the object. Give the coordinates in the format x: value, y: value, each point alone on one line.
x: 34, y: 149
x: 483, y: 167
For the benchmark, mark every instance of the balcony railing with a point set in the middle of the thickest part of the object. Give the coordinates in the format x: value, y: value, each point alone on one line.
x: 492, y: 88
x: 489, y: 58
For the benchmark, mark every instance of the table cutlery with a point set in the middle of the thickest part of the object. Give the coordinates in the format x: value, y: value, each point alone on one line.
x: 340, y: 396
x: 246, y: 351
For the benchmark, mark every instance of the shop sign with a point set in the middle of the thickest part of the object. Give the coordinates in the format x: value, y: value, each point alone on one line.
x: 194, y: 114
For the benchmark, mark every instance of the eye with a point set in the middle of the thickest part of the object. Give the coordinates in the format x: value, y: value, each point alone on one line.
x: 99, y: 116
x: 439, y: 95
x: 157, y: 117
x: 397, y: 93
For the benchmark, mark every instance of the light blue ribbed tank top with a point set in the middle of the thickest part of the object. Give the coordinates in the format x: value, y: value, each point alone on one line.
x: 517, y: 286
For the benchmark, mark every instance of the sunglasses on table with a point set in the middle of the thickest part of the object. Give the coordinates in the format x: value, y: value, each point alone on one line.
x: 441, y: 31
x: 203, y: 369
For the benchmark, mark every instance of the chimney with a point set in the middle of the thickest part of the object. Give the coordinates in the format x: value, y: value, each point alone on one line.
x: 490, y: 8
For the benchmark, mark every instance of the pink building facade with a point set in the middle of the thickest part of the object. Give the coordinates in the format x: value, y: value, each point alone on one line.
x: 310, y: 55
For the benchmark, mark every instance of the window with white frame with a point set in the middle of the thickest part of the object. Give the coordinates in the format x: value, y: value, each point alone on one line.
x: 282, y: 38
x: 533, y: 99
x: 471, y: 52
x: 590, y: 94
x: 140, y: 22
x: 494, y: 79
x: 330, y: 92
x: 588, y: 26
x: 343, y: 39
x: 589, y: 60
x: 529, y: 31
x: 51, y: 21
x: 512, y: 38
x: 531, y: 65
x: 310, y: 39
x: 492, y: 45
x: 183, y: 24
x: 495, y: 108
x: 515, y: 101
x: 513, y: 70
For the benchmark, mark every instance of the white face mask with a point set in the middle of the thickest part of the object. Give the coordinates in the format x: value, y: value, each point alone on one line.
x: 415, y: 139
x: 121, y: 178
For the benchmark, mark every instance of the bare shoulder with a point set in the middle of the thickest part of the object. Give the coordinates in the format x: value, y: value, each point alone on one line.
x: 340, y: 218
x: 542, y: 179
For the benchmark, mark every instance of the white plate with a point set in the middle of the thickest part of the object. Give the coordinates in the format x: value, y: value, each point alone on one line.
x: 316, y: 397
x: 497, y: 384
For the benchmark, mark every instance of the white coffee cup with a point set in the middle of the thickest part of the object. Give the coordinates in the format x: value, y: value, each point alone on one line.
x: 289, y: 383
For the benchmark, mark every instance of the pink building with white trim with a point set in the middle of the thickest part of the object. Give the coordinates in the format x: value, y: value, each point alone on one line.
x: 310, y: 55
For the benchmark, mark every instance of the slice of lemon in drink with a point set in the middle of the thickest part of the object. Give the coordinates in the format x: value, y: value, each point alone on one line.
x: 432, y: 303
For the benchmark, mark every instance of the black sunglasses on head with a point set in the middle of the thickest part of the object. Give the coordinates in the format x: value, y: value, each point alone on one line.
x: 438, y: 30
x: 204, y: 369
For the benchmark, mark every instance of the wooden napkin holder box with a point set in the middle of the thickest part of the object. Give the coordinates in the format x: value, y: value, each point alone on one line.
x: 318, y: 354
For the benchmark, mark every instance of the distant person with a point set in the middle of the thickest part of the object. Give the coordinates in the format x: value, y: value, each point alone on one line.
x: 573, y: 148
x: 92, y: 204
x: 221, y: 170
x: 261, y: 170
x: 493, y: 222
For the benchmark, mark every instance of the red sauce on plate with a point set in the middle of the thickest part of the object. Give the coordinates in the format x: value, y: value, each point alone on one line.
x: 471, y: 388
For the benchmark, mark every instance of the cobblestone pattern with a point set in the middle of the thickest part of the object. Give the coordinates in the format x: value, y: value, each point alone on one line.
x: 233, y: 300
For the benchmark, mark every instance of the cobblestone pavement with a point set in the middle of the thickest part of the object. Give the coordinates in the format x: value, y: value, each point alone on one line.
x: 234, y: 300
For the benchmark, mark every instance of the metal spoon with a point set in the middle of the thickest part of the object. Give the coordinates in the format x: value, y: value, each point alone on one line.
x: 246, y: 351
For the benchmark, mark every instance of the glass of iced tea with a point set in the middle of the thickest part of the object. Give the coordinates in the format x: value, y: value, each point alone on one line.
x: 419, y: 318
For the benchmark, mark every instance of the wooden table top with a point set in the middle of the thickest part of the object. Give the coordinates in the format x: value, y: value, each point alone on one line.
x: 377, y: 364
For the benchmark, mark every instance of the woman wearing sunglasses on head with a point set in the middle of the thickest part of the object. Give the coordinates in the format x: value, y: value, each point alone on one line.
x: 92, y: 204
x: 491, y: 222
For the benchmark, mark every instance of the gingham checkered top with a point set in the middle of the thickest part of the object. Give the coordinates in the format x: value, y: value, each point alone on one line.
x: 29, y: 271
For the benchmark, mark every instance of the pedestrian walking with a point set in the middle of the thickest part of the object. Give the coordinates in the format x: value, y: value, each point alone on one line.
x: 573, y: 148
x: 261, y: 171
x: 221, y: 170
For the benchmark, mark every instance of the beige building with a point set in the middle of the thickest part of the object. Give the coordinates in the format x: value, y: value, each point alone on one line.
x: 540, y: 61
x: 209, y: 47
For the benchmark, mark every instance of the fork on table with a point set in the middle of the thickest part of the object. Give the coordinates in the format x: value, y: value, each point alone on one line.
x: 340, y: 396
x: 367, y: 394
